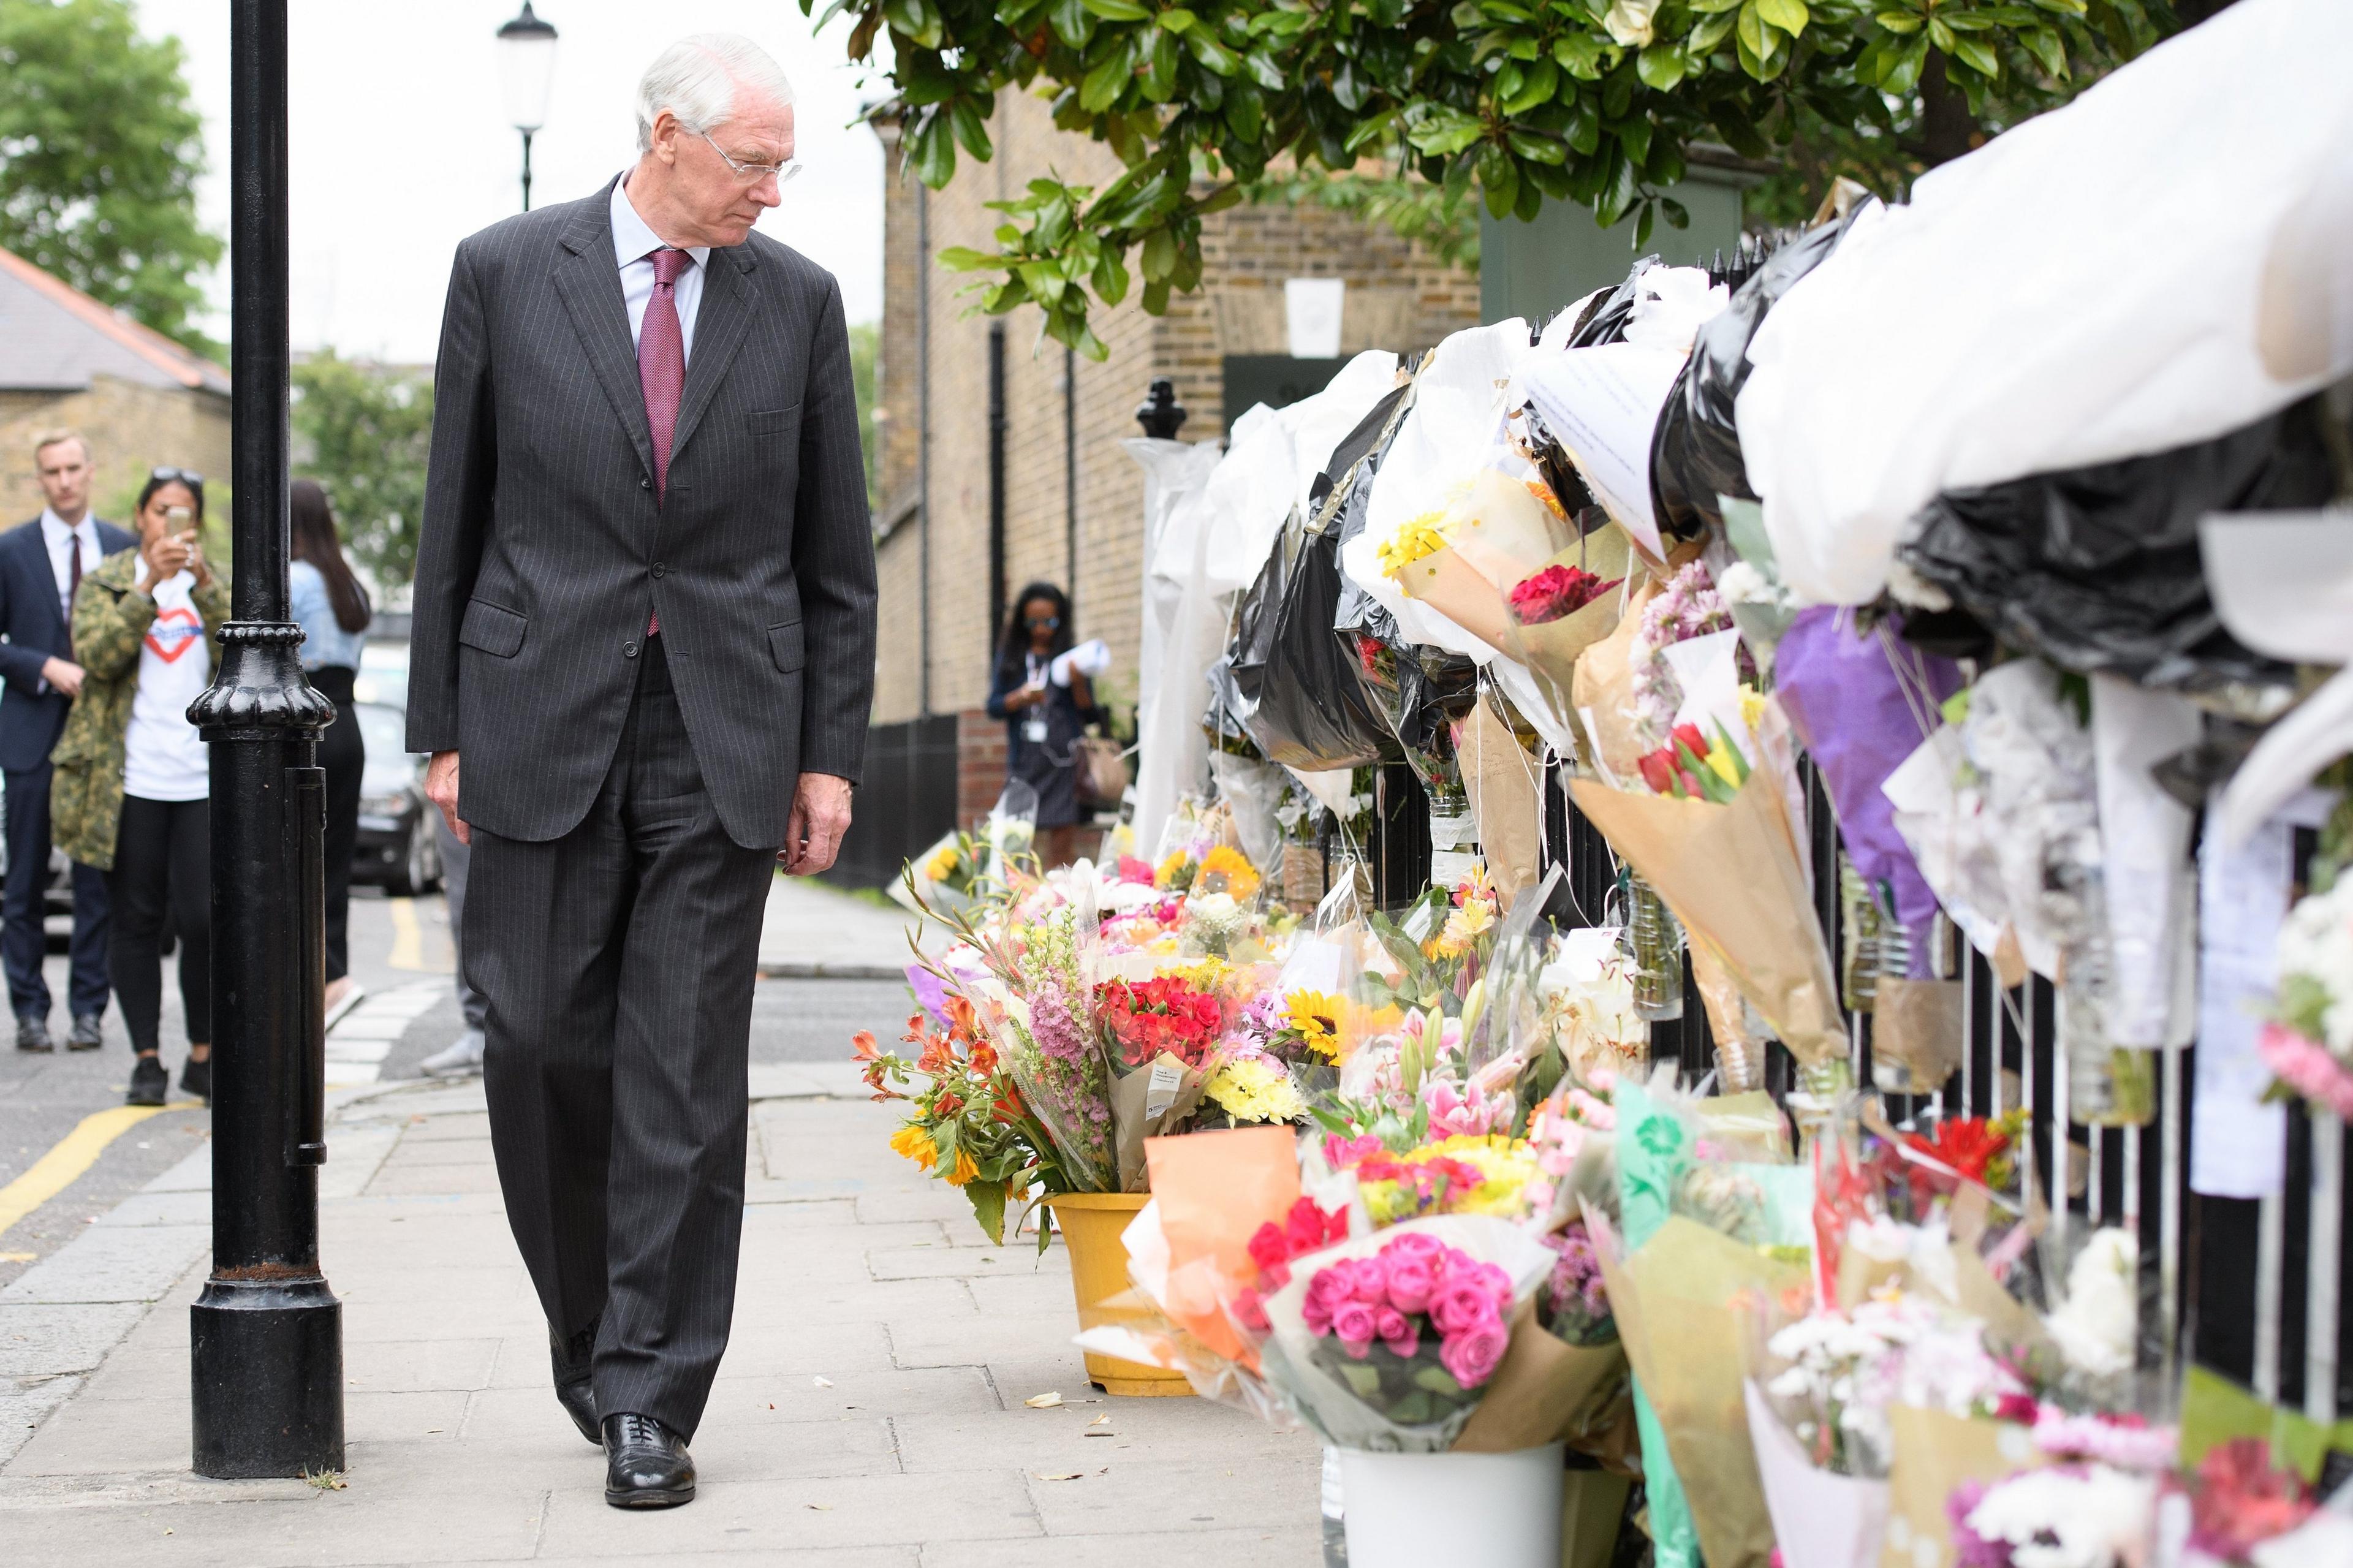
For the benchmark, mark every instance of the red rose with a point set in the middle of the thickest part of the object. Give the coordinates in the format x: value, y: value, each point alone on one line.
x: 1554, y: 592
x: 1270, y: 1244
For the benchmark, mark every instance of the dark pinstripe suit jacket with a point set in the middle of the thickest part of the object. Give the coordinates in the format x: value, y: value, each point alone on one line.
x: 543, y: 552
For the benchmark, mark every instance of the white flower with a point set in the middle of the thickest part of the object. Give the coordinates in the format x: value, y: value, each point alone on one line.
x: 2093, y: 1328
x: 1628, y: 22
x: 1742, y: 584
x: 2090, y: 1520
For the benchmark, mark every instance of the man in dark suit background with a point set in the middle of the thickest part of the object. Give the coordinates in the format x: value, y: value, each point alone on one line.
x: 41, y: 564
x: 645, y: 622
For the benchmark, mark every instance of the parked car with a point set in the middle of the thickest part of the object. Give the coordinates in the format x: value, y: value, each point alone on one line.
x: 396, y: 849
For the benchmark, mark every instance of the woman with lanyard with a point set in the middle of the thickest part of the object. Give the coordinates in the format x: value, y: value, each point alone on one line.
x: 1044, y: 718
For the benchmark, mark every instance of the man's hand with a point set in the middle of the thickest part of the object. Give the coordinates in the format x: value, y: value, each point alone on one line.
x: 63, y: 675
x: 812, y: 835
x: 441, y: 789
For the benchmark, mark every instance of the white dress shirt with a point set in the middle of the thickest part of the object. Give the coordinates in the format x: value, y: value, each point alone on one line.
x: 633, y: 247
x: 60, y: 538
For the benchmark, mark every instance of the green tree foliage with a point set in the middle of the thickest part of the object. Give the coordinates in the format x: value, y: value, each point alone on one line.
x: 99, y: 151
x: 865, y: 341
x: 367, y: 430
x: 1524, y: 101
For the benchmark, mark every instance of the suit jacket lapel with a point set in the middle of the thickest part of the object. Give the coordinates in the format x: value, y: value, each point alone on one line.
x: 589, y: 282
x: 720, y: 324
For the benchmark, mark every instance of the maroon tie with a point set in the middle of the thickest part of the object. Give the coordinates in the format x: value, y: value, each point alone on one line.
x: 661, y: 368
x: 73, y: 555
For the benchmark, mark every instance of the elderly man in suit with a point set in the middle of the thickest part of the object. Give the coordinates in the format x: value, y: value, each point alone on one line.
x: 41, y: 564
x: 643, y: 659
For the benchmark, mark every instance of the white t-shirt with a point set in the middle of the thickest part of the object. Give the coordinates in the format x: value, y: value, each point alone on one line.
x: 163, y: 757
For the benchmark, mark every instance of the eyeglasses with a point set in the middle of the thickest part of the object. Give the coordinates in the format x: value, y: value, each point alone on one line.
x: 189, y: 477
x: 1049, y: 622
x: 752, y: 173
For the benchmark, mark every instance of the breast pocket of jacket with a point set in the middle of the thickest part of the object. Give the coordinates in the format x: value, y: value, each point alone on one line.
x: 493, y: 628
x: 786, y: 645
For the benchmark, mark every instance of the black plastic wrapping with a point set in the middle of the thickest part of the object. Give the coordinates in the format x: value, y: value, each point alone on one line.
x: 1285, y: 677
x: 2097, y: 569
x: 1695, y: 451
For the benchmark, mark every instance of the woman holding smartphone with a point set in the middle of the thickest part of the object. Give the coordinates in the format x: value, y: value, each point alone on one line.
x: 129, y: 793
x: 327, y: 598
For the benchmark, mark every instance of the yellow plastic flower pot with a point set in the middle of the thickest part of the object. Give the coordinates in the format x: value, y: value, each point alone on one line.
x: 1091, y: 1225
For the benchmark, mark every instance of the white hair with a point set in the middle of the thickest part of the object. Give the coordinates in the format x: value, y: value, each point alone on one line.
x: 697, y: 79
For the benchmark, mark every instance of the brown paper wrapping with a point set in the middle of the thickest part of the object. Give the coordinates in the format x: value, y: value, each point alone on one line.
x: 1676, y: 1305
x: 1130, y: 1126
x: 1450, y: 585
x: 1731, y: 876
x: 1601, y: 681
x: 1545, y: 1392
x: 1915, y: 1026
x: 1501, y: 779
x: 1934, y: 1454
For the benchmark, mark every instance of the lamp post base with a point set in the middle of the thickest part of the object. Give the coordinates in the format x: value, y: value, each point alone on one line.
x: 267, y: 1361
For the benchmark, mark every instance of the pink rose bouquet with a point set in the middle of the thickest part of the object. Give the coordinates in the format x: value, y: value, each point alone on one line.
x: 1414, y: 1329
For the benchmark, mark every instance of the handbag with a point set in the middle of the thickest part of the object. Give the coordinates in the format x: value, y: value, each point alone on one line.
x: 1103, y: 771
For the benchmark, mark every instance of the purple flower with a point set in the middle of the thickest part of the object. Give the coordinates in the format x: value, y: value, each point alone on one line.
x: 1473, y: 1354
x: 1970, y: 1549
x: 1052, y: 1024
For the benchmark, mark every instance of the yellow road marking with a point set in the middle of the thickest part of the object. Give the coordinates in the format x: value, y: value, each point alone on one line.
x: 407, y: 936
x: 77, y: 1152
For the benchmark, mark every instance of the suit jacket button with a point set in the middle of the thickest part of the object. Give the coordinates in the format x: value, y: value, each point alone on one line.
x: 645, y: 484
x: 629, y: 648
x: 659, y: 569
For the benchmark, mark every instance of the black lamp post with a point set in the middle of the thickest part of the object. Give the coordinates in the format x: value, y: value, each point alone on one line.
x: 526, y: 73
x: 266, y: 1337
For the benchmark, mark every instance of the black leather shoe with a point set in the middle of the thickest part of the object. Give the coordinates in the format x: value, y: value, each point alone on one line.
x: 579, y: 1402
x: 33, y: 1035
x: 573, y: 1391
x: 646, y: 1464
x: 148, y: 1082
x: 87, y: 1035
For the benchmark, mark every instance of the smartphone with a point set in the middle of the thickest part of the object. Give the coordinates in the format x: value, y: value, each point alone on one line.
x: 180, y: 518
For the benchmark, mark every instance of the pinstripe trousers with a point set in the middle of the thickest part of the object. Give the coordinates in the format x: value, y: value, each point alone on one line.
x: 617, y: 964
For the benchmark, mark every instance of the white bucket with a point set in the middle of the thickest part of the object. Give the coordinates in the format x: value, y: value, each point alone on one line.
x: 1493, y: 1511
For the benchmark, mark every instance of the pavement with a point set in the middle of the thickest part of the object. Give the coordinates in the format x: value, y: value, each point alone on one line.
x: 870, y: 1412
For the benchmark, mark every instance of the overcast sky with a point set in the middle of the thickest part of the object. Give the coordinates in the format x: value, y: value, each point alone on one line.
x: 401, y: 147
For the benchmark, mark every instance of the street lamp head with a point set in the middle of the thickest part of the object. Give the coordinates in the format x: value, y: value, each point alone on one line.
x: 526, y: 69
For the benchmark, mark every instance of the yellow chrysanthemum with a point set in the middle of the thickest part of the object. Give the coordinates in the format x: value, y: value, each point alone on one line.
x: 1252, y: 1089
x: 1231, y: 866
x: 1415, y: 537
x: 1316, y: 1018
x: 1508, y: 1165
x: 916, y: 1144
x: 1752, y: 708
x: 942, y: 863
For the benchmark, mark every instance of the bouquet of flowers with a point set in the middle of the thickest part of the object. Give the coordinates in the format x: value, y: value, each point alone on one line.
x: 2308, y: 1044
x: 2059, y: 1516
x: 966, y: 1123
x: 1390, y: 1341
x: 1574, y: 1301
x: 1164, y: 1015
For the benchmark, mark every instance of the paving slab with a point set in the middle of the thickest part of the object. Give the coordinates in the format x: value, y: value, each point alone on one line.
x: 868, y: 1412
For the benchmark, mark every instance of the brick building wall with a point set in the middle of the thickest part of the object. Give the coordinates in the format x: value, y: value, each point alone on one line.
x: 1399, y: 297
x: 132, y: 429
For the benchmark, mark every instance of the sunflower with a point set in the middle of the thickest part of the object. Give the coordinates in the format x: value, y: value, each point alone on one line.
x: 1241, y: 879
x: 964, y: 1170
x: 1315, y: 1019
x: 916, y: 1144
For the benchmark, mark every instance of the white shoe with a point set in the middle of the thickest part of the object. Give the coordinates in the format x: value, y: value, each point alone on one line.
x: 463, y: 1058
x: 352, y: 992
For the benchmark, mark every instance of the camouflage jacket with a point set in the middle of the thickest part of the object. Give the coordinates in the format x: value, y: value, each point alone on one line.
x: 111, y: 618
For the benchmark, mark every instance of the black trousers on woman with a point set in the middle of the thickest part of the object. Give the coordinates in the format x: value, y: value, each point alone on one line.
x: 344, y: 753
x: 162, y: 860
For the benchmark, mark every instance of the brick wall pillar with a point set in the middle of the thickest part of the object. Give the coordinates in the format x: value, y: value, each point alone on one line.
x: 980, y: 763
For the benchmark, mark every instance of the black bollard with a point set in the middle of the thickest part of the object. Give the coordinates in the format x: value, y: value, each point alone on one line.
x: 266, y: 1337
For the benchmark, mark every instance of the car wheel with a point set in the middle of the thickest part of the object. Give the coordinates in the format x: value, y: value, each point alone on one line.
x: 419, y: 869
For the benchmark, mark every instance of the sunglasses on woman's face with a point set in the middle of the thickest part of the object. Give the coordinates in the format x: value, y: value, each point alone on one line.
x: 187, y: 477
x: 1049, y: 622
